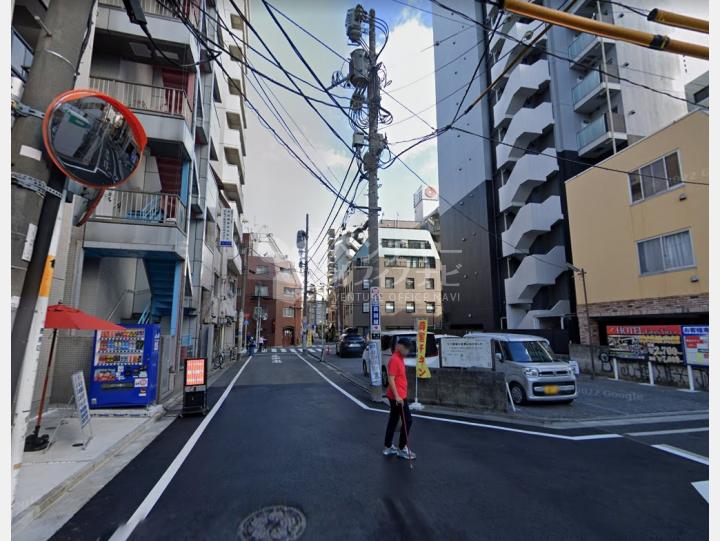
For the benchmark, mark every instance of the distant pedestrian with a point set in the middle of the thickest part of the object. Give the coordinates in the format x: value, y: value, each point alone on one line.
x: 397, y: 394
x: 261, y: 344
x: 251, y: 346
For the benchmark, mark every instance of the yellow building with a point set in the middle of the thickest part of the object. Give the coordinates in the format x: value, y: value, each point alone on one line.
x: 639, y: 227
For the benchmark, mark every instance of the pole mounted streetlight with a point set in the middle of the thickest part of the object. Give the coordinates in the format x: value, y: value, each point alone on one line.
x: 582, y: 273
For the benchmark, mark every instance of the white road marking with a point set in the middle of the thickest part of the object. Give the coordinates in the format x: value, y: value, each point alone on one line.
x: 683, y: 453
x: 141, y: 513
x: 467, y: 423
x: 274, y: 350
x: 283, y: 350
x: 664, y: 432
x: 703, y: 487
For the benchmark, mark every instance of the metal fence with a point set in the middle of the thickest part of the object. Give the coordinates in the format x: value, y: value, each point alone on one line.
x: 141, y: 207
x: 155, y: 99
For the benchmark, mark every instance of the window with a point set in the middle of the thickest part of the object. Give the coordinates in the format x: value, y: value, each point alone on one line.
x: 402, y: 243
x: 430, y: 307
x: 261, y: 269
x: 389, y: 307
x: 666, y: 253
x: 289, y: 291
x: 261, y: 291
x: 413, y: 262
x: 409, y: 283
x: 389, y: 283
x: 656, y: 177
x: 366, y: 308
x: 366, y: 284
x: 429, y: 283
x: 410, y: 307
x: 288, y: 312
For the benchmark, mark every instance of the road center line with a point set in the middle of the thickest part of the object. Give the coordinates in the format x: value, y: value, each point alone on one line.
x: 466, y: 423
x: 126, y: 530
x: 682, y: 453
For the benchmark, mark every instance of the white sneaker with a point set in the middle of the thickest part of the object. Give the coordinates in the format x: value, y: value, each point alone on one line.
x: 406, y: 453
x: 390, y: 451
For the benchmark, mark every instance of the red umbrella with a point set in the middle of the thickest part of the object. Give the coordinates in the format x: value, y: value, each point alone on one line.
x: 60, y: 316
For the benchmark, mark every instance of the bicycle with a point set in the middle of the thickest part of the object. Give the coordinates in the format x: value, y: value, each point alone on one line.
x: 218, y: 360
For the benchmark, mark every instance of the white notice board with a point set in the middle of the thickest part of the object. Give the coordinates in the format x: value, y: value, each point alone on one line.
x: 465, y: 352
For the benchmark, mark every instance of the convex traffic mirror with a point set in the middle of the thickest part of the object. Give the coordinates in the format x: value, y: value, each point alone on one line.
x: 92, y: 138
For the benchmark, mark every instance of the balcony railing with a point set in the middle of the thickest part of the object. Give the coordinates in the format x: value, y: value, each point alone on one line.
x: 598, y: 127
x: 150, y: 7
x: 591, y: 81
x: 157, y: 209
x: 153, y: 99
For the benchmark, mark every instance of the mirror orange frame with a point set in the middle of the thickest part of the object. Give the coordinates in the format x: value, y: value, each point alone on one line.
x: 132, y: 120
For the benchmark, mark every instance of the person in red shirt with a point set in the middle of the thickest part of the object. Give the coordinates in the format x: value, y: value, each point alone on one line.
x: 397, y: 394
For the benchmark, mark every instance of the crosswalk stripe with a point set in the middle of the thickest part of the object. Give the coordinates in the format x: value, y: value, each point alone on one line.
x: 274, y: 350
x: 283, y: 350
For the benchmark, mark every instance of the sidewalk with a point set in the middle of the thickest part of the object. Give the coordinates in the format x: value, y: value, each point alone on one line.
x: 47, y: 476
x: 600, y: 402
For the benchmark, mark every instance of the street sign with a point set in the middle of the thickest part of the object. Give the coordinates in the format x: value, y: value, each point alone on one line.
x: 375, y: 317
x: 226, y: 227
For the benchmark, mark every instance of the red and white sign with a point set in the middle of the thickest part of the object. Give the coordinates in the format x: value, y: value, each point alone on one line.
x: 195, y: 372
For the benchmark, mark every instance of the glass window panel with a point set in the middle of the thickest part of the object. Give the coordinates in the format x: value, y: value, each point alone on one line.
x: 651, y: 259
x: 410, y: 307
x: 389, y: 283
x: 672, y: 166
x: 635, y: 186
x: 677, y: 250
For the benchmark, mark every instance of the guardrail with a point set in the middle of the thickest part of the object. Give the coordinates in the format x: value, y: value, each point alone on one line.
x: 598, y: 127
x: 592, y: 80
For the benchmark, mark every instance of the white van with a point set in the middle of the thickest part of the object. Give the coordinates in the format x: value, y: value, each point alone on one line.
x: 388, y: 339
x: 530, y: 367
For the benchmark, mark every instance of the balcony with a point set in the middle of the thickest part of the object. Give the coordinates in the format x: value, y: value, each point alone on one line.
x: 127, y: 39
x: 530, y: 171
x: 585, y: 49
x: 596, y: 138
x: 510, y: 46
x: 526, y: 126
x: 527, y: 79
x: 590, y: 93
x: 137, y: 224
x: 532, y: 220
x: 165, y: 113
x: 533, y: 273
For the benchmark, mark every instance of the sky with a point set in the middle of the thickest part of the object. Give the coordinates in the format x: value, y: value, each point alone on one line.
x: 278, y: 191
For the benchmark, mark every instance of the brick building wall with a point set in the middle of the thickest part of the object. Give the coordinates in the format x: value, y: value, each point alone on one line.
x: 678, y: 307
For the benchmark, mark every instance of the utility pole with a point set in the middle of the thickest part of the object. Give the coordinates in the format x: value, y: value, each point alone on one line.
x: 34, y: 213
x: 306, y: 319
x: 582, y: 272
x: 245, y: 264
x: 375, y: 146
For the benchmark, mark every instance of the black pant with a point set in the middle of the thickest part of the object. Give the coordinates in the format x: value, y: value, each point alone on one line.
x: 401, y: 413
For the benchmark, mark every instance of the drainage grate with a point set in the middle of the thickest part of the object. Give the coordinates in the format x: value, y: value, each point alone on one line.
x: 275, y: 523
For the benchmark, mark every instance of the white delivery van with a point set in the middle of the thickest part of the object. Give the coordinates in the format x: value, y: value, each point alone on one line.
x: 388, y: 339
x: 529, y: 364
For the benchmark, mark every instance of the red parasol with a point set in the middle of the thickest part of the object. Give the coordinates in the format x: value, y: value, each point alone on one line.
x: 60, y: 316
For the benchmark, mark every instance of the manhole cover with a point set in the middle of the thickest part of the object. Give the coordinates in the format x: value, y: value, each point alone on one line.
x: 275, y: 523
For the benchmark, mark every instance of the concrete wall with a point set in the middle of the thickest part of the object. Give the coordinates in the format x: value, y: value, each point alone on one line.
x: 673, y: 375
x: 474, y: 388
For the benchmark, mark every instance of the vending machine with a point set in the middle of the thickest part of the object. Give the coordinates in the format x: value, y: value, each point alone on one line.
x: 124, y: 371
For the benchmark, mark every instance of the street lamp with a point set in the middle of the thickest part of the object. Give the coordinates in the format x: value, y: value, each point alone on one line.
x: 582, y: 273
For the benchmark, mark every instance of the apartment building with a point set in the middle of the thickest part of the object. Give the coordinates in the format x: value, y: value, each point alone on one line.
x: 410, y: 280
x: 643, y: 238
x: 163, y: 247
x: 274, y: 291
x: 503, y: 213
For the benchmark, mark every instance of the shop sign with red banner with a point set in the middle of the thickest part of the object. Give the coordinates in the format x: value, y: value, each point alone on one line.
x: 654, y: 343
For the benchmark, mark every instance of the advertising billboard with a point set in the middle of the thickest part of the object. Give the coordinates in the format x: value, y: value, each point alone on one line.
x: 696, y: 340
x: 653, y: 343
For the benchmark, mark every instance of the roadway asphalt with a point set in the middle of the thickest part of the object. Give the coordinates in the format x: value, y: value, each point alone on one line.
x: 285, y: 436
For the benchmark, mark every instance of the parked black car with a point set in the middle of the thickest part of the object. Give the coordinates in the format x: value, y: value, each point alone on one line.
x: 350, y: 345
